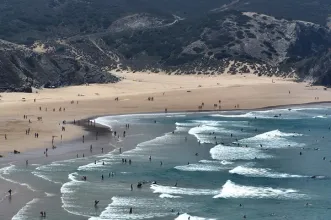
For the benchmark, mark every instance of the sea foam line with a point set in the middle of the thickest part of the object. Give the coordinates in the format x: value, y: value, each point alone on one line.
x: 182, y: 191
x: 5, y: 171
x: 21, y: 214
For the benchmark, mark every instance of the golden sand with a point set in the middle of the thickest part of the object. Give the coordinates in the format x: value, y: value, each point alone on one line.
x: 176, y: 93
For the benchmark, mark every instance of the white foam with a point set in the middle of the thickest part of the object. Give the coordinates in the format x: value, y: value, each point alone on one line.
x: 205, y: 166
x: 182, y: 191
x: 222, y: 152
x: 272, y: 139
x: 320, y: 116
x: 275, y: 134
x: 223, y: 162
x: 232, y: 190
x: 169, y: 196
x: 67, y: 190
x: 23, y: 212
x: 50, y: 194
x: 6, y: 171
x: 40, y: 175
x: 261, y: 172
x: 186, y: 216
x: 118, y: 209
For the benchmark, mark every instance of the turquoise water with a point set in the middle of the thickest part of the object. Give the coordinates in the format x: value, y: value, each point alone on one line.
x: 223, y: 165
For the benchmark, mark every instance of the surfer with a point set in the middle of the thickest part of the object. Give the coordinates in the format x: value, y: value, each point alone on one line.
x: 130, y: 210
x: 131, y: 187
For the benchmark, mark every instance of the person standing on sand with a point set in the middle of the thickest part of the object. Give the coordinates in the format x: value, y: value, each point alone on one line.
x: 5, y: 136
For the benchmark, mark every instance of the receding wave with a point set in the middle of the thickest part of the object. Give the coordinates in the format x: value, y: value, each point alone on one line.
x: 261, y: 172
x: 7, y: 170
x: 67, y: 190
x: 232, y: 190
x: 23, y: 212
x: 42, y: 176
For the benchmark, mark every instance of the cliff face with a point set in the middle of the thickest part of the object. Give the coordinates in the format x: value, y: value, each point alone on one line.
x: 22, y: 68
x: 75, y: 42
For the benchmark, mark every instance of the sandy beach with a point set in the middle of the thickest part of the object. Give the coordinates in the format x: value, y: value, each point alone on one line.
x: 171, y: 92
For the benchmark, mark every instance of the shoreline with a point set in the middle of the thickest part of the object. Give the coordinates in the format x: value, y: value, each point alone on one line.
x: 174, y: 93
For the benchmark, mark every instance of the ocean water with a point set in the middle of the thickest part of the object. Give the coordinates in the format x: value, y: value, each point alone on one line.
x: 268, y: 164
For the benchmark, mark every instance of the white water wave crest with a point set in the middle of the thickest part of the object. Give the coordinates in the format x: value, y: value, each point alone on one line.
x: 205, y: 166
x: 7, y: 171
x: 182, y: 191
x: 222, y: 152
x: 272, y: 139
x: 261, y: 172
x: 233, y: 190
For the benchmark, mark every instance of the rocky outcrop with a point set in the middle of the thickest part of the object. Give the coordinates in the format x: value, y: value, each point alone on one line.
x: 21, y: 68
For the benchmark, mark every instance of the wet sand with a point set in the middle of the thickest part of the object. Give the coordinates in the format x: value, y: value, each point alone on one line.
x: 174, y: 93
